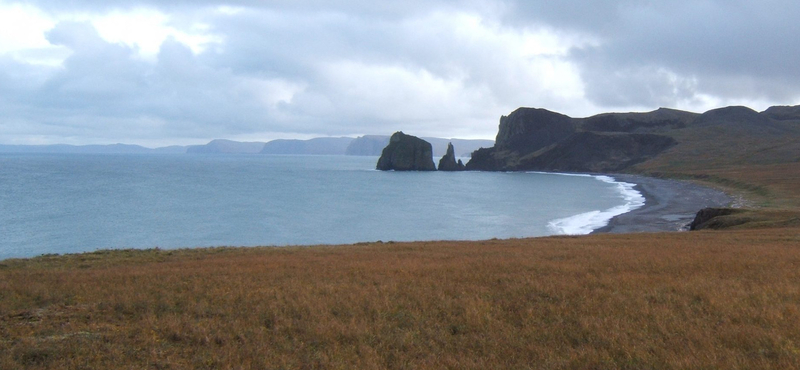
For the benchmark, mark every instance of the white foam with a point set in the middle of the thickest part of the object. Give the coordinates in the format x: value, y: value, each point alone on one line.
x: 585, y: 223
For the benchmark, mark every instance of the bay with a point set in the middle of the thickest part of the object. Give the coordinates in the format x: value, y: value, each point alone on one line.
x: 79, y: 202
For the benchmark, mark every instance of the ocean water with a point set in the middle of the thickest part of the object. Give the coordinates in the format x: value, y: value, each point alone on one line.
x: 79, y: 202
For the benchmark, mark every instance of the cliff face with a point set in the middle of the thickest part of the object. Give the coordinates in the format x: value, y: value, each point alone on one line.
x: 530, y: 129
x: 538, y: 139
x: 406, y: 153
x: 596, y: 152
x: 657, y: 141
x: 524, y: 131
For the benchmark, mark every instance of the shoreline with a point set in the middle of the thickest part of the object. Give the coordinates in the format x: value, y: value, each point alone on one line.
x: 670, y: 205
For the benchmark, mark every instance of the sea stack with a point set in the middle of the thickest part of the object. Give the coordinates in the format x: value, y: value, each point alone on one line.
x: 448, y: 162
x: 406, y: 153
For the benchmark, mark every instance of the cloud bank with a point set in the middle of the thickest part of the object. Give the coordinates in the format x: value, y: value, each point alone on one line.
x: 157, y: 72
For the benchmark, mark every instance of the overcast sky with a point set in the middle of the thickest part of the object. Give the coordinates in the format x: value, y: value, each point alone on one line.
x: 158, y: 72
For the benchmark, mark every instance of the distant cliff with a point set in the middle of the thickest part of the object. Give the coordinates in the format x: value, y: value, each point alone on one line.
x: 367, y: 145
x: 538, y: 139
x: 316, y: 146
x: 222, y: 146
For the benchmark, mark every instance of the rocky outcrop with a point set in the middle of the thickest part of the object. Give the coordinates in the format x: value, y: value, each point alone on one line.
x: 406, y: 153
x: 448, y: 161
x: 530, y: 129
x: 716, y: 218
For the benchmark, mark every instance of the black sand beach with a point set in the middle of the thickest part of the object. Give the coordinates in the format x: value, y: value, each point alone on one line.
x: 669, y: 205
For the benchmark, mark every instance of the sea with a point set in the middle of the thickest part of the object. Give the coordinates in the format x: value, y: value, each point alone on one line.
x: 75, y: 203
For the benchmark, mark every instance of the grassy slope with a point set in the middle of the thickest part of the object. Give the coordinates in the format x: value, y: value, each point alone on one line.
x: 680, y: 300
x: 760, y: 166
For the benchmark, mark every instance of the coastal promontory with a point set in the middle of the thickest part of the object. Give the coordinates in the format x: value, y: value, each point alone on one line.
x: 663, y: 140
x: 406, y: 153
x: 538, y: 139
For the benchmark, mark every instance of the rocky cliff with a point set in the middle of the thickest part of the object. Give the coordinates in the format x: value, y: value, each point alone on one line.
x: 538, y: 139
x: 406, y: 153
x: 448, y: 161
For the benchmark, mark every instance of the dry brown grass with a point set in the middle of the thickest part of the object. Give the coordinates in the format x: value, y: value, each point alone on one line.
x: 643, y: 301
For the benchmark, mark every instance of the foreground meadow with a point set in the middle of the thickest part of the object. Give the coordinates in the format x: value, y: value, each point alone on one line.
x: 637, y: 301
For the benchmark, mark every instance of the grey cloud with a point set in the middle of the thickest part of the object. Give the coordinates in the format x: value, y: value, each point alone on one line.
x: 348, y: 67
x: 104, y: 89
x: 367, y: 8
x: 729, y: 49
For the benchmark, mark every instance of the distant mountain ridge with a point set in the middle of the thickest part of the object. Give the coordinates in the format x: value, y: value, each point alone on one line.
x: 542, y: 140
x: 368, y: 145
x: 90, y: 149
x: 223, y: 146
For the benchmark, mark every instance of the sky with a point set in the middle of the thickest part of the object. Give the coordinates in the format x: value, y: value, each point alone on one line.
x: 157, y: 72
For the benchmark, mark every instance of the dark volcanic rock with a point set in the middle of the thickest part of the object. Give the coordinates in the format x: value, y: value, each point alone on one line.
x: 448, y: 161
x: 524, y: 131
x: 714, y: 218
x: 487, y: 159
x: 530, y: 129
x: 595, y: 152
x: 406, y: 153
x: 538, y: 139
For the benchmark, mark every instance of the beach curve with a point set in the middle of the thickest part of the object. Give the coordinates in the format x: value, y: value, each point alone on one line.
x: 670, y: 205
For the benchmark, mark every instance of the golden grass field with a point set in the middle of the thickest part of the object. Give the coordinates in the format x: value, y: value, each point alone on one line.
x: 699, y: 300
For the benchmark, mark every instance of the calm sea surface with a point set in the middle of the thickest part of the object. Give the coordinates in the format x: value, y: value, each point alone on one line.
x: 78, y: 203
